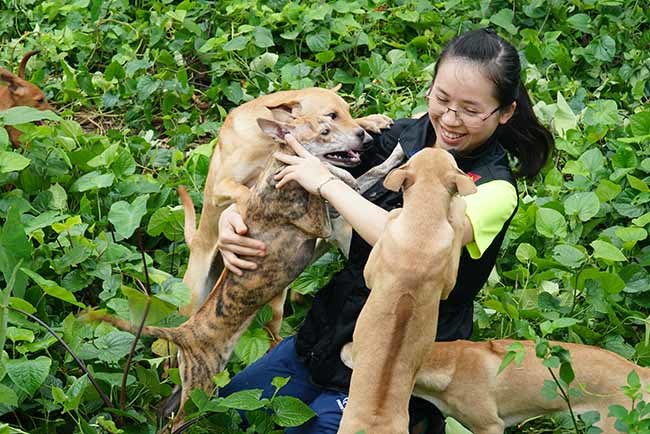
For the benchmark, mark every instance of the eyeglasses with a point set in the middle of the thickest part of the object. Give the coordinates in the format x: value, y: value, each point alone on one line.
x: 469, y: 118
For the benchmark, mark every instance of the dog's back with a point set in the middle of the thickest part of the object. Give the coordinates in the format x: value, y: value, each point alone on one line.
x: 455, y: 372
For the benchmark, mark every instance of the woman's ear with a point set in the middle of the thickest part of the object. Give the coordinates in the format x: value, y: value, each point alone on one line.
x: 507, y: 112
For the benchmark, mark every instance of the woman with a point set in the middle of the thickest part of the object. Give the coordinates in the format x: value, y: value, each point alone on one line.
x: 479, y: 110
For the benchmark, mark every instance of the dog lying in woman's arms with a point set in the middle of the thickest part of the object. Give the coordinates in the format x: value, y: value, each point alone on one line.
x: 288, y: 220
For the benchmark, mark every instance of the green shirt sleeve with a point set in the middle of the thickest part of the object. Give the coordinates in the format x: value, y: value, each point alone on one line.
x: 487, y: 210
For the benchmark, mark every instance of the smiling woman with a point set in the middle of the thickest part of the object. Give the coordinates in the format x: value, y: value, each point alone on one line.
x: 479, y: 111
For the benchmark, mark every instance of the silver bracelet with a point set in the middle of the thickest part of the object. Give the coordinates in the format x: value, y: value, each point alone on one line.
x: 322, y: 184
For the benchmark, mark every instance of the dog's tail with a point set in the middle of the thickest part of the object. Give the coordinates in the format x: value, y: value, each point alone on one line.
x: 170, y: 334
x: 190, y: 215
x: 23, y: 63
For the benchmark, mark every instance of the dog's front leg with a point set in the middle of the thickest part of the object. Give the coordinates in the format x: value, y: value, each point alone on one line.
x: 378, y: 173
x: 374, y: 123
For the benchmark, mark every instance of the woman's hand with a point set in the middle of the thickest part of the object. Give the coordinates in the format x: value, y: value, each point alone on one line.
x: 232, y: 242
x: 304, y: 168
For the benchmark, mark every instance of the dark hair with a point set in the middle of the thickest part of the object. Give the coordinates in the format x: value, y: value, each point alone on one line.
x: 523, y: 135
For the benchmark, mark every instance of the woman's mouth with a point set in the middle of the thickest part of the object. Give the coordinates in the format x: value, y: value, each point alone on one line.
x: 451, y: 137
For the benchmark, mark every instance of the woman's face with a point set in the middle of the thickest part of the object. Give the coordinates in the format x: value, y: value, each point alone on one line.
x: 462, y: 107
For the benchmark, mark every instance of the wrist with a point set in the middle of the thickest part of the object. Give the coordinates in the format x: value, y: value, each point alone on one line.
x: 326, y: 186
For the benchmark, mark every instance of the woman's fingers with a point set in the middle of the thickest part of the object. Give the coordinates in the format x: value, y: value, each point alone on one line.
x: 236, y: 264
x: 232, y: 241
x: 296, y: 146
x: 287, y: 159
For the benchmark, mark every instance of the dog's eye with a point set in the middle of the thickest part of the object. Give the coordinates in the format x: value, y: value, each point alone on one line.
x: 325, y: 132
x: 332, y: 115
x: 40, y: 100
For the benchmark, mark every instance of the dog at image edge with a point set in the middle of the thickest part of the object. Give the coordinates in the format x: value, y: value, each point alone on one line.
x: 20, y: 92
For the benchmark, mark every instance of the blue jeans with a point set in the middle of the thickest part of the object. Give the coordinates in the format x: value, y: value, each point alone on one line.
x: 282, y: 361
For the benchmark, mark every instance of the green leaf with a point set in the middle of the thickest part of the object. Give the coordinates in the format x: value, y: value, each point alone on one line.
x: 503, y: 19
x: 244, y: 400
x: 237, y: 43
x: 580, y: 22
x: 52, y: 288
x: 290, y: 411
x: 106, y: 158
x: 110, y: 347
x: 114, y: 70
x: 92, y: 180
x: 8, y: 396
x: 23, y: 115
x: 602, y: 112
x: 28, y: 375
x: 12, y: 162
x: 637, y: 184
x: 604, y: 48
x: 168, y: 221
x: 564, y: 118
x: 640, y: 123
x: 584, y: 205
x: 319, y: 41
x: 452, y: 426
x: 550, y: 223
x: 262, y: 37
x: 126, y: 217
x: 280, y: 382
x: 643, y: 220
x: 525, y: 252
x: 252, y: 345
x: 607, y: 190
x: 569, y: 256
x: 158, y: 309
x: 566, y: 373
x: 607, y: 251
x: 17, y: 334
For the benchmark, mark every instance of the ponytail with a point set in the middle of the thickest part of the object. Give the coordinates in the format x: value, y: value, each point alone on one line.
x: 525, y: 137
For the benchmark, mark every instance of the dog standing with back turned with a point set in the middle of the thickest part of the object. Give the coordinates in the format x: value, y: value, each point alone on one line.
x: 410, y: 269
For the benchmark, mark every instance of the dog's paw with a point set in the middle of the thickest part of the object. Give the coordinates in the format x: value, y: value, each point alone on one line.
x: 374, y: 123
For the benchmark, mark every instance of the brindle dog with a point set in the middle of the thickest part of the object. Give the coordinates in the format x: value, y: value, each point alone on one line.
x: 288, y: 220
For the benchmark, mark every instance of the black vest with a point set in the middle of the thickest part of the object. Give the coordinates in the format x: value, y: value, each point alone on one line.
x: 330, y: 322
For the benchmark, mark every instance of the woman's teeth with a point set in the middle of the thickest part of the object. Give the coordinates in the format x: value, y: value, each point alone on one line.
x: 451, y: 136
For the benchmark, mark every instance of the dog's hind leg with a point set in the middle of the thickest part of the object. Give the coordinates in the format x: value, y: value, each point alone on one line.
x: 277, y: 307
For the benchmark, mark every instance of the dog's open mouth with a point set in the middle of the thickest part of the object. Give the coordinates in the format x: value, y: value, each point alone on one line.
x: 344, y: 158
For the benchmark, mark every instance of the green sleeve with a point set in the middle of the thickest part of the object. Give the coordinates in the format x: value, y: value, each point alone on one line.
x: 487, y: 210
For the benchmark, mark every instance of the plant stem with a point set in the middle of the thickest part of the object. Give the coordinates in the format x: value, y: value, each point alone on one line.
x: 147, y: 290
x: 107, y: 401
x: 565, y: 397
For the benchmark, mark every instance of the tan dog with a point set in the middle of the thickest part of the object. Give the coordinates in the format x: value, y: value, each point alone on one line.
x: 239, y: 156
x: 288, y: 220
x: 461, y: 379
x: 411, y: 267
x: 20, y: 92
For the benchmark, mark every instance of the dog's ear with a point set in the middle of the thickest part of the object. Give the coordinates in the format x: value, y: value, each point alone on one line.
x: 336, y: 88
x: 461, y: 183
x: 281, y: 115
x: 7, y: 76
x: 13, y: 82
x: 399, y: 177
x: 289, y: 107
x: 273, y: 128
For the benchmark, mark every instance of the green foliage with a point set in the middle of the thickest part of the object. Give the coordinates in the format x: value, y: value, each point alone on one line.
x: 141, y: 89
